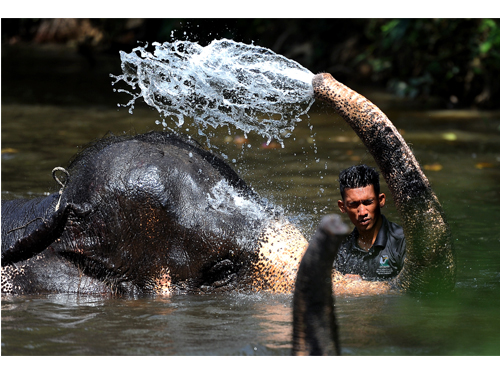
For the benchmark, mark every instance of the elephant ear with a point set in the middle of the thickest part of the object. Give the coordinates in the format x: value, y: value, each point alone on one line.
x: 314, y: 323
x: 41, y: 228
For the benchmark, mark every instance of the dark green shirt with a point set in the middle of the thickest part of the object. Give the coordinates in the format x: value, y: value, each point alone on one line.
x: 382, y: 261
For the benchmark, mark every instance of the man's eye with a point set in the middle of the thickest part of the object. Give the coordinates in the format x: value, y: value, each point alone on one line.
x: 367, y: 202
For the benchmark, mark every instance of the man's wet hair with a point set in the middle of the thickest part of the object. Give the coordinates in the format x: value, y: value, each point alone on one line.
x: 359, y: 176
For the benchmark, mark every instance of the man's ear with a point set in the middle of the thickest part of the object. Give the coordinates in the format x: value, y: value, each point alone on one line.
x: 340, y: 202
x: 381, y: 199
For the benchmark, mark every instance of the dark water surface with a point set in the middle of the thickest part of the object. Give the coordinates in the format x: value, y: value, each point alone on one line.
x: 460, y: 151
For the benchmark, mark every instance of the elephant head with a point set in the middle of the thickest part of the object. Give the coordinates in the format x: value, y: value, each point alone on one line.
x: 151, y: 213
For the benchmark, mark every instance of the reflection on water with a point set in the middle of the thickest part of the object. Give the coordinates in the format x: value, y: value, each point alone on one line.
x: 237, y: 324
x: 462, y: 156
x: 179, y: 325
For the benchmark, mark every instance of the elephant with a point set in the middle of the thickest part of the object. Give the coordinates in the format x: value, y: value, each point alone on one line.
x: 157, y: 213
x: 149, y: 213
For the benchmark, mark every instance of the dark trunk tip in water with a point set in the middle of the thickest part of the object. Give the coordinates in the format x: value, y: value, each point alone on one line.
x: 314, y: 324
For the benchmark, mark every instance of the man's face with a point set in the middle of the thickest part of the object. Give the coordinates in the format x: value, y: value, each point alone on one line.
x: 362, y: 206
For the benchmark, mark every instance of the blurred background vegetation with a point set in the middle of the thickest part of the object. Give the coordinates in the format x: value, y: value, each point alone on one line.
x: 453, y: 63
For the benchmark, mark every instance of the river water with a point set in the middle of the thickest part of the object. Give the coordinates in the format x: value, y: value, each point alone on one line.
x: 461, y: 156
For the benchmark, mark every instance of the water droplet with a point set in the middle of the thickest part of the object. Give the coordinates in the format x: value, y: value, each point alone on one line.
x: 224, y: 83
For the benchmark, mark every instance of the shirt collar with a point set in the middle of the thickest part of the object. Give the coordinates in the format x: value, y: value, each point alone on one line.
x: 382, y: 234
x: 381, y: 239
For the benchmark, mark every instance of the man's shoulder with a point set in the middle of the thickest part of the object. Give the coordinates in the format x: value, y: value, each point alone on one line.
x: 395, y: 230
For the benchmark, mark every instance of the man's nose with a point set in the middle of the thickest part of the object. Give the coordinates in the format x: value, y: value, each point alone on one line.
x: 362, y: 210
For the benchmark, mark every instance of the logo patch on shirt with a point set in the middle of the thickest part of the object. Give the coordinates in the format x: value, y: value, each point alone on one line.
x: 384, y: 267
x: 384, y: 261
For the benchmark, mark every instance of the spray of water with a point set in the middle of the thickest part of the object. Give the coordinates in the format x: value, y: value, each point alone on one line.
x: 223, y: 84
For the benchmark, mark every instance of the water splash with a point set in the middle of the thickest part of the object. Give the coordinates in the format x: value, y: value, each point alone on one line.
x: 225, y: 83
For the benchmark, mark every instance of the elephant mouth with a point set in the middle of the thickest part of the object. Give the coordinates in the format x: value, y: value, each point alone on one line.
x: 223, y: 276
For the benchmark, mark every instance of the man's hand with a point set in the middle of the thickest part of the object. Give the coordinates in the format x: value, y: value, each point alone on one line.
x: 353, y: 277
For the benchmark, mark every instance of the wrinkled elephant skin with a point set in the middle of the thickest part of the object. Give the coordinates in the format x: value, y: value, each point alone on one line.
x: 153, y: 213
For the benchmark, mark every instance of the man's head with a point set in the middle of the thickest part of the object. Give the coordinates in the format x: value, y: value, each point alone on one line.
x: 358, y: 176
x: 361, y: 197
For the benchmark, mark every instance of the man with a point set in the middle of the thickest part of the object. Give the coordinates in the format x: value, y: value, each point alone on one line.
x: 375, y: 249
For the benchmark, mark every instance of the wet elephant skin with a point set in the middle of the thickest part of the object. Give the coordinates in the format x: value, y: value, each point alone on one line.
x: 147, y: 213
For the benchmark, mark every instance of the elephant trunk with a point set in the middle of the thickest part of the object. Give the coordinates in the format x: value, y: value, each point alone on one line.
x: 280, y: 248
x: 314, y: 324
x: 429, y: 263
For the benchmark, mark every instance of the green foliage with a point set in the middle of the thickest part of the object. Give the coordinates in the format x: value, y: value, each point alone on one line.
x: 456, y: 59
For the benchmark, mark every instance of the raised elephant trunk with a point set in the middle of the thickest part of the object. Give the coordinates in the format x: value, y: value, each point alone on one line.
x: 429, y: 263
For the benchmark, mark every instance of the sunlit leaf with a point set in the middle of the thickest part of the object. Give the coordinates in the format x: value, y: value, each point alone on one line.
x: 433, y: 167
x: 450, y: 136
x: 484, y: 165
x: 485, y: 47
x: 9, y: 151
